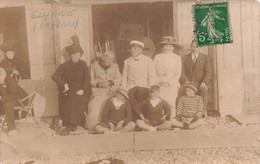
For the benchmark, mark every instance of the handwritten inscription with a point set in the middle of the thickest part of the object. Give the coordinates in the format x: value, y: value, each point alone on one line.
x: 50, y: 19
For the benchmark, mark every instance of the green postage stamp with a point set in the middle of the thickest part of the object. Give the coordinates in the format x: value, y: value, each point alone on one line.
x: 212, y: 24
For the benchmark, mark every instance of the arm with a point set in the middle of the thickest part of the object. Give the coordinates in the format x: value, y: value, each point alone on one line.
x: 93, y: 83
x: 152, y: 76
x: 57, y: 76
x: 118, y: 77
x: 128, y: 112
x: 200, y: 108
x: 174, y: 78
x: 167, y: 111
x: 184, y: 77
x: 179, y: 106
x: 140, y: 106
x: 205, y: 18
x: 207, y: 71
x: 85, y: 85
x: 124, y: 75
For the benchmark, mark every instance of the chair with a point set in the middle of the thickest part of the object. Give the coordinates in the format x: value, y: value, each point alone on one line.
x: 30, y: 87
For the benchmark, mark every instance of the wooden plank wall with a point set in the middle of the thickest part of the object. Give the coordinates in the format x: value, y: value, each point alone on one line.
x: 238, y: 63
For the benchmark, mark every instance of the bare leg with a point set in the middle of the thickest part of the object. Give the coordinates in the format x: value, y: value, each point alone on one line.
x: 143, y: 125
x: 101, y: 129
x: 129, y: 127
x: 165, y: 125
x: 196, y: 124
x: 176, y: 123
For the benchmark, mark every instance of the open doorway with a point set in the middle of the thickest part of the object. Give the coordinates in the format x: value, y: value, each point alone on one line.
x: 13, y: 27
x: 115, y: 25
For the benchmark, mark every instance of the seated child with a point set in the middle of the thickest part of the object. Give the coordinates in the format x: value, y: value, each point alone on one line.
x: 153, y: 111
x: 117, y: 114
x: 189, y: 108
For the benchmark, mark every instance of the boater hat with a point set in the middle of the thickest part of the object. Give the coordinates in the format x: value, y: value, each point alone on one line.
x: 170, y: 40
x: 136, y: 43
x: 191, y: 85
x: 123, y: 92
x: 75, y: 47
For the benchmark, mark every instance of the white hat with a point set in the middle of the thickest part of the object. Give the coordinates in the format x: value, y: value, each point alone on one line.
x: 137, y: 43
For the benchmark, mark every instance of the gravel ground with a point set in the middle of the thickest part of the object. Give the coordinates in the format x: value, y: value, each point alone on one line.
x: 246, y: 155
x: 238, y: 155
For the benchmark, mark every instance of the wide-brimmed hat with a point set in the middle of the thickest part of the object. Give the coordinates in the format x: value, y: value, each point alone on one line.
x: 136, y: 43
x: 123, y: 92
x: 8, y: 46
x: 170, y: 40
x: 75, y: 47
x: 192, y: 86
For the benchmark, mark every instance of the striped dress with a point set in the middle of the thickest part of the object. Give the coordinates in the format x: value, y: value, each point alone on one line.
x: 190, y: 106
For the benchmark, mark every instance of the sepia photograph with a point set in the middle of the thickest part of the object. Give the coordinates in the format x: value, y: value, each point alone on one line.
x: 130, y: 81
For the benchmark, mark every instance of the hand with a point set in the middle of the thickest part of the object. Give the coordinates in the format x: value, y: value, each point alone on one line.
x: 15, y: 72
x: 105, y: 84
x: 112, y: 126
x: 66, y: 88
x: 80, y: 92
x: 163, y: 117
x: 188, y: 120
x: 119, y: 125
x: 164, y: 84
x: 186, y: 82
x: 203, y: 86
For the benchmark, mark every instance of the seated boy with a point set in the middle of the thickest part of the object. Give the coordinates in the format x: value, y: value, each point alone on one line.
x: 153, y: 111
x: 189, y: 108
x: 117, y: 114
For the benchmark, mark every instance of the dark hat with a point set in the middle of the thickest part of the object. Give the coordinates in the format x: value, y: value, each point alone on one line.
x: 8, y: 46
x: 75, y: 47
x: 170, y: 40
x: 123, y: 92
x: 192, y: 86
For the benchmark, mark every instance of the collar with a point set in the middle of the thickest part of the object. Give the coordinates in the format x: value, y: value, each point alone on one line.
x: 196, y: 54
x: 138, y: 57
x: 102, y: 64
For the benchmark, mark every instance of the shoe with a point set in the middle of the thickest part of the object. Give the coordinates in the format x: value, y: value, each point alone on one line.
x: 152, y: 129
x: 185, y: 126
x: 12, y: 133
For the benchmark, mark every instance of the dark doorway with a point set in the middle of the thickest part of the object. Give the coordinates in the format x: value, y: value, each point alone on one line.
x: 13, y: 27
x: 118, y: 24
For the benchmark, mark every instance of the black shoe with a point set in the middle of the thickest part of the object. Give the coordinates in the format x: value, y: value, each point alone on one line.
x: 185, y: 126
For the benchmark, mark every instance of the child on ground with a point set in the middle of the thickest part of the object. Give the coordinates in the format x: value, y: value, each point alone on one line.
x: 154, y: 111
x: 189, y: 109
x: 117, y: 114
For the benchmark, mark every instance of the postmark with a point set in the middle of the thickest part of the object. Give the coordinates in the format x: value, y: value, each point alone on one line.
x: 212, y: 23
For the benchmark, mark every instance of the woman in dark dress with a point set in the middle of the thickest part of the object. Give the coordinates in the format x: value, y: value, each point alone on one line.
x: 73, y: 80
x: 10, y: 63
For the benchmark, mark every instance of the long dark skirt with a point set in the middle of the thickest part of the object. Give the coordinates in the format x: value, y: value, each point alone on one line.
x: 72, y: 107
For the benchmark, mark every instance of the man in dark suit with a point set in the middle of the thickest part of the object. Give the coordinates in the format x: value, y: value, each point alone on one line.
x: 196, y: 68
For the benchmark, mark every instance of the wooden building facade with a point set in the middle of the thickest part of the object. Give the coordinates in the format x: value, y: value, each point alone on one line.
x: 49, y: 26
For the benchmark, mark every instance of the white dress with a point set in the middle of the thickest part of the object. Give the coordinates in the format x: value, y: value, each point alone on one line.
x: 168, y: 68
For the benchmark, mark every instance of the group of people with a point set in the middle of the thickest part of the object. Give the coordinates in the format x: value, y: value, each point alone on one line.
x: 144, y: 96
x: 10, y: 91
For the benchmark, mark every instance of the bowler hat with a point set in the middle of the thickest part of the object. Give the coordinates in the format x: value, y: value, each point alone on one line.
x: 170, y: 40
x: 8, y: 46
x: 123, y: 92
x: 192, y: 86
